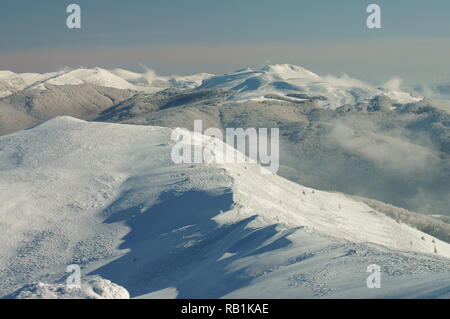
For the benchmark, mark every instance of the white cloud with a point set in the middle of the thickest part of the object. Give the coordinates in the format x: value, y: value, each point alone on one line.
x: 394, y: 84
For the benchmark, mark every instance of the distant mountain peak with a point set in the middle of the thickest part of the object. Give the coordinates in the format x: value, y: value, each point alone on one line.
x: 286, y: 80
x: 289, y: 71
x: 279, y: 80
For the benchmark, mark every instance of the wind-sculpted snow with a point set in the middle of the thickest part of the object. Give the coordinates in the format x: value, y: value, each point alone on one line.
x: 109, y: 198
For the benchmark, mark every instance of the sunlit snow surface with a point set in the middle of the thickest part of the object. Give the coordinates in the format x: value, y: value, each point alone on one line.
x: 288, y: 80
x: 109, y: 198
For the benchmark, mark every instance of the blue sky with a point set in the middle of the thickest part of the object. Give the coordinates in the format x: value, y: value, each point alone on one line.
x: 179, y: 36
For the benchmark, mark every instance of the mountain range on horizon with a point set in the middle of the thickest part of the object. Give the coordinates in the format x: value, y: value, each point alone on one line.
x: 266, y: 80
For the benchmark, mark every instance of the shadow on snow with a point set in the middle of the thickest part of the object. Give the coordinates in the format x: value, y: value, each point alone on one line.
x: 176, y: 243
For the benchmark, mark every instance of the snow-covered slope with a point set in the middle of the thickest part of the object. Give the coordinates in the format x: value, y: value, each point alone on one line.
x: 151, y: 79
x: 148, y: 82
x: 109, y: 198
x: 297, y: 83
x: 96, y: 76
x: 11, y: 82
x: 11, y: 119
x: 15, y: 82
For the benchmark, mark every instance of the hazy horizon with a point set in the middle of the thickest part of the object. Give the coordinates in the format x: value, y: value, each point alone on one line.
x: 175, y: 37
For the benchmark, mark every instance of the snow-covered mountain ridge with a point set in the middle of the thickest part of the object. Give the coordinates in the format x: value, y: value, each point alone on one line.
x: 297, y: 83
x: 285, y: 80
x: 11, y: 82
x: 108, y: 197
